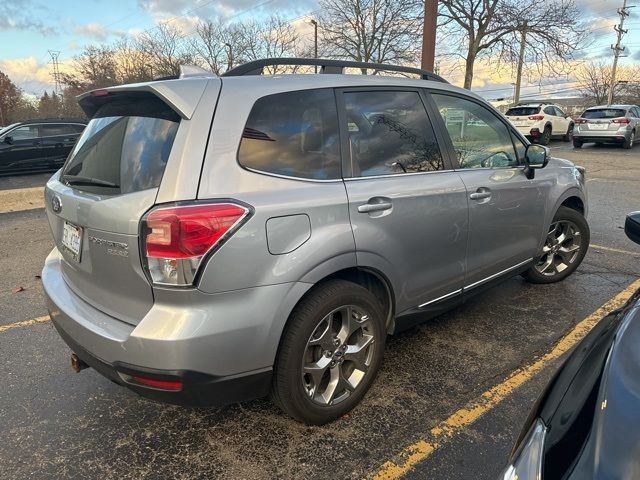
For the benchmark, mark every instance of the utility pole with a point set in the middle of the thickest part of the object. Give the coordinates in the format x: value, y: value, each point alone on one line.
x: 429, y: 34
x: 523, y: 44
x: 617, y: 49
x: 56, y: 71
x: 315, y: 41
x: 230, y: 62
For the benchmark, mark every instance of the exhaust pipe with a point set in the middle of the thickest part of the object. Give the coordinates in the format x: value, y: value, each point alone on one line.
x: 77, y: 364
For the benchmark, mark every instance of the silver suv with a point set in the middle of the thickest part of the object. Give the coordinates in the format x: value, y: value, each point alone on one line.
x: 224, y: 238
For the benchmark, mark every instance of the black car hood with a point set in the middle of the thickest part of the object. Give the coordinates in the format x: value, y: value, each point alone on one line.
x: 592, y: 406
x: 613, y: 448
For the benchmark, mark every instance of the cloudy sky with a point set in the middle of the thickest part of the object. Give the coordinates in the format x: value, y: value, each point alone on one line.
x: 29, y: 28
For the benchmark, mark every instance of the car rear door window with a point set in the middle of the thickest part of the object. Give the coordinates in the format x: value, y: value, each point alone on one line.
x: 550, y: 111
x: 390, y: 133
x: 293, y: 134
x: 52, y: 130
x: 480, y: 139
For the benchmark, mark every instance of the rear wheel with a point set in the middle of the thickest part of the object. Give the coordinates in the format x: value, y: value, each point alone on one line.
x: 330, y: 352
x: 564, y: 248
x: 545, y: 138
x: 628, y: 142
x: 569, y: 135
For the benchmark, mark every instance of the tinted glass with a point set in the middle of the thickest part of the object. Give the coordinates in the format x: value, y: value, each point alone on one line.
x: 55, y: 129
x: 559, y: 113
x: 76, y: 128
x: 549, y: 110
x: 479, y: 138
x: 604, y: 113
x: 293, y: 134
x: 125, y: 145
x: 522, y: 111
x: 25, y: 133
x: 389, y: 133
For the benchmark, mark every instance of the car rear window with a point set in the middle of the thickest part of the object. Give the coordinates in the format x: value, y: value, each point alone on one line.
x: 124, y: 148
x: 522, y: 111
x: 293, y: 134
x: 604, y: 113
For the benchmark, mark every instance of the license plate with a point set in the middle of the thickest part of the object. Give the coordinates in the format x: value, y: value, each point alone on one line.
x: 598, y: 126
x: 72, y: 240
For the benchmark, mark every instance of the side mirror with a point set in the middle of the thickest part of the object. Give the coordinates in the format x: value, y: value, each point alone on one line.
x: 8, y: 140
x: 535, y: 156
x: 632, y: 227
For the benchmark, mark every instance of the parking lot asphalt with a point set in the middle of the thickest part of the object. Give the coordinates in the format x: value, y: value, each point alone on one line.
x: 55, y: 423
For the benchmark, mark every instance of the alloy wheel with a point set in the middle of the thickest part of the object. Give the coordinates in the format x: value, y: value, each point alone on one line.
x: 338, y: 355
x: 561, y: 248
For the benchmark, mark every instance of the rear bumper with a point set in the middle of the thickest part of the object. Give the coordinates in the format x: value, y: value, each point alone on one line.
x: 221, y: 346
x: 601, y: 136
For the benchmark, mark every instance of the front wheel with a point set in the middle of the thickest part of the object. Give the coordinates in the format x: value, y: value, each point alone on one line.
x: 564, y: 248
x: 330, y: 352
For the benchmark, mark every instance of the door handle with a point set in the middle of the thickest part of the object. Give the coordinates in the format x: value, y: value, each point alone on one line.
x: 480, y: 194
x: 374, y: 207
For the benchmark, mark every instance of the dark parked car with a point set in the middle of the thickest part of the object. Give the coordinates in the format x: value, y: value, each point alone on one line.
x: 586, y: 425
x: 37, y: 145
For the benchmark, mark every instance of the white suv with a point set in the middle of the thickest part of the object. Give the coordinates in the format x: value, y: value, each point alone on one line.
x: 539, y: 122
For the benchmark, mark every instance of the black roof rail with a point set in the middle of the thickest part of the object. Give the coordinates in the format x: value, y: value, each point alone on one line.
x: 54, y: 120
x: 256, y: 67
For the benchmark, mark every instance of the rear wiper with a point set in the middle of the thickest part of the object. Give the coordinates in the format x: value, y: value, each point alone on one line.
x: 80, y: 180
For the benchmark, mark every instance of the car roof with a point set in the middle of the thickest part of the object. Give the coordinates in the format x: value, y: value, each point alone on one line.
x: 626, y: 107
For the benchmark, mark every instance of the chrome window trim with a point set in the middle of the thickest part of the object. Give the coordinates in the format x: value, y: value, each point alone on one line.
x: 289, y: 177
x: 394, y: 175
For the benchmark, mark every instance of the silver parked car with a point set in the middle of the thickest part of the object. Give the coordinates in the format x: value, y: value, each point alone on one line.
x: 222, y: 238
x: 608, y: 124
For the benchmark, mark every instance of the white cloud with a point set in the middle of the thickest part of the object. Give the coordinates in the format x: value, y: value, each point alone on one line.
x: 95, y: 31
x: 31, y: 75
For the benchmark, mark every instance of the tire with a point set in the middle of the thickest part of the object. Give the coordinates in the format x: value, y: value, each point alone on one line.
x: 306, y: 396
x: 559, y: 260
x: 545, y: 138
x: 569, y: 135
x: 577, y: 143
x: 628, y: 142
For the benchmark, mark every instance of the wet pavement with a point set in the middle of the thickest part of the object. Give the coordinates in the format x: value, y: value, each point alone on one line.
x: 58, y: 424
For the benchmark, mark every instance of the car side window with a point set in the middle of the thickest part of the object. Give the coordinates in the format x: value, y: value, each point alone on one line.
x: 390, y: 133
x: 549, y: 111
x: 560, y: 113
x: 480, y: 139
x: 26, y: 132
x: 294, y: 134
x: 54, y: 129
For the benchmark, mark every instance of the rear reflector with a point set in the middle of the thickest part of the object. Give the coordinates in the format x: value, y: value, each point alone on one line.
x: 173, y: 385
x: 177, y: 238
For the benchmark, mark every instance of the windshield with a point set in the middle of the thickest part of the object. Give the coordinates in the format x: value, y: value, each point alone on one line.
x: 7, y: 128
x: 605, y: 113
x: 123, y: 149
x: 522, y: 111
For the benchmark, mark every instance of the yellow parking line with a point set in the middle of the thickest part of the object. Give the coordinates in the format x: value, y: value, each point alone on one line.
x: 24, y: 323
x: 422, y: 449
x: 609, y: 249
x: 19, y: 199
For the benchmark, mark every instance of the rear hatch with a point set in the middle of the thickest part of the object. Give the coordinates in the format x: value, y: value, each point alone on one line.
x: 603, y: 119
x: 524, y: 116
x: 95, y: 203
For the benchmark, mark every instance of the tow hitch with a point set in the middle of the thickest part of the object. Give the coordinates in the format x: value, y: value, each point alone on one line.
x: 77, y: 364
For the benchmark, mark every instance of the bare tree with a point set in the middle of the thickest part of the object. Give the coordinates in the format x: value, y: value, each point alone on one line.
x: 495, y: 27
x: 380, y: 31
x: 270, y: 39
x: 166, y: 49
x: 132, y: 64
x: 216, y: 43
x: 595, y: 78
x: 94, y: 68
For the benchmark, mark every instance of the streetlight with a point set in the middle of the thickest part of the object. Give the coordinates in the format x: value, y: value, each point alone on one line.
x: 315, y: 40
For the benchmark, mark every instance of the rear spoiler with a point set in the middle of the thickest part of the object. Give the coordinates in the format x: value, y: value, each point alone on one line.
x: 181, y: 95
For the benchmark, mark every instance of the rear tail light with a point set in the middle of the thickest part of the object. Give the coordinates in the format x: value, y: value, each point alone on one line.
x: 176, y: 239
x: 622, y: 120
x: 581, y: 121
x: 536, y: 117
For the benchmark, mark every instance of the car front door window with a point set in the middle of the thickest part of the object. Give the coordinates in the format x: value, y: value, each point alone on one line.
x: 479, y: 138
x: 28, y: 132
